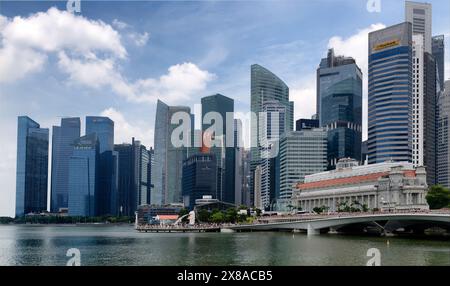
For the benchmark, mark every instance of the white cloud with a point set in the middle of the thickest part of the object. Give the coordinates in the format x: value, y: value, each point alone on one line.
x: 89, y: 52
x: 356, y: 46
x: 26, y: 41
x: 119, y: 24
x: 139, y: 40
x: 304, y: 96
x: 124, y: 130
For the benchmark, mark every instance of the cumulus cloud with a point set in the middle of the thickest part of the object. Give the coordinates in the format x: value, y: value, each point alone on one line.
x: 89, y: 52
x: 27, y: 41
x: 303, y: 94
x: 356, y: 46
x: 124, y: 130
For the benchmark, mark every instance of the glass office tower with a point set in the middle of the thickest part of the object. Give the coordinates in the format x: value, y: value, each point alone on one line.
x: 83, y: 176
x: 168, y: 158
x: 438, y: 51
x: 265, y: 86
x: 443, y: 138
x: 225, y: 155
x: 104, y: 128
x: 199, y: 178
x: 390, y: 94
x: 339, y: 97
x: 63, y: 139
x: 32, y: 167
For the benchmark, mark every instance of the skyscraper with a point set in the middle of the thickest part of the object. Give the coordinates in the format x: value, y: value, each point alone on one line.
x: 144, y: 161
x: 63, y: 138
x: 430, y: 116
x: 438, y: 51
x: 443, y: 138
x: 32, y: 167
x: 107, y: 179
x: 301, y: 153
x: 339, y: 96
x: 265, y: 86
x: 390, y: 94
x: 424, y: 88
x: 83, y: 176
x: 104, y: 128
x: 168, y: 158
x: 150, y: 169
x: 272, y: 127
x: 133, y: 176
x: 199, y: 178
x: 225, y: 155
x: 418, y: 102
x: 420, y: 16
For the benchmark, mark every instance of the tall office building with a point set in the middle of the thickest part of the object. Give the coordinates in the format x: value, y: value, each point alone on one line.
x: 151, y: 166
x: 104, y: 128
x: 272, y: 127
x: 199, y: 178
x: 168, y: 158
x: 238, y: 167
x: 443, y: 138
x: 420, y: 16
x: 418, y: 102
x: 438, y: 51
x: 225, y: 155
x: 107, y: 194
x: 339, y: 97
x: 133, y: 175
x: 265, y: 86
x: 302, y: 153
x: 390, y: 94
x: 83, y: 176
x: 144, y: 161
x: 32, y: 167
x: 430, y: 117
x: 63, y: 138
x: 107, y: 190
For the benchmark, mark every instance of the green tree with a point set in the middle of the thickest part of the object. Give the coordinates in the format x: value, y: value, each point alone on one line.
x: 231, y: 215
x: 203, y: 215
x: 438, y: 197
x: 218, y: 217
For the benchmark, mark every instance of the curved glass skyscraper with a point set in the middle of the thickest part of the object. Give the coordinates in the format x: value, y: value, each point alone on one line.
x: 266, y: 87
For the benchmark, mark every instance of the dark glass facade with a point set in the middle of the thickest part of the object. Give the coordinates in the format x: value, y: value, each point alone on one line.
x: 340, y: 108
x: 107, y: 195
x: 303, y: 124
x: 431, y: 114
x: 63, y: 138
x: 32, y: 167
x: 390, y: 94
x: 438, y: 48
x: 104, y: 128
x: 133, y: 179
x: 225, y: 155
x: 83, y: 176
x: 199, y: 178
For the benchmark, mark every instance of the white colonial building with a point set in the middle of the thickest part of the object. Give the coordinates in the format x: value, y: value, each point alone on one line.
x: 383, y: 186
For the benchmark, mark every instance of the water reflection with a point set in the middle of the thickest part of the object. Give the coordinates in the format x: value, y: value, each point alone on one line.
x: 118, y: 245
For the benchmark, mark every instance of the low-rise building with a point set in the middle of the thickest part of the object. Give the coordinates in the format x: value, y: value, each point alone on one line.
x: 383, y: 186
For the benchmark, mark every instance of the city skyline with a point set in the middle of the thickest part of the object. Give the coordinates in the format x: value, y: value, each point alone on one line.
x: 127, y: 126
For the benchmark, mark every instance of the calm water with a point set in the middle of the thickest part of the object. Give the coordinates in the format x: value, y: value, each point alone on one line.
x: 121, y: 245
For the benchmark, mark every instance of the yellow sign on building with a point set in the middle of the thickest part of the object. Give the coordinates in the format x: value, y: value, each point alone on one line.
x: 386, y: 45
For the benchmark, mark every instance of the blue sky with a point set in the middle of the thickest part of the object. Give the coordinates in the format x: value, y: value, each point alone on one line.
x: 116, y: 58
